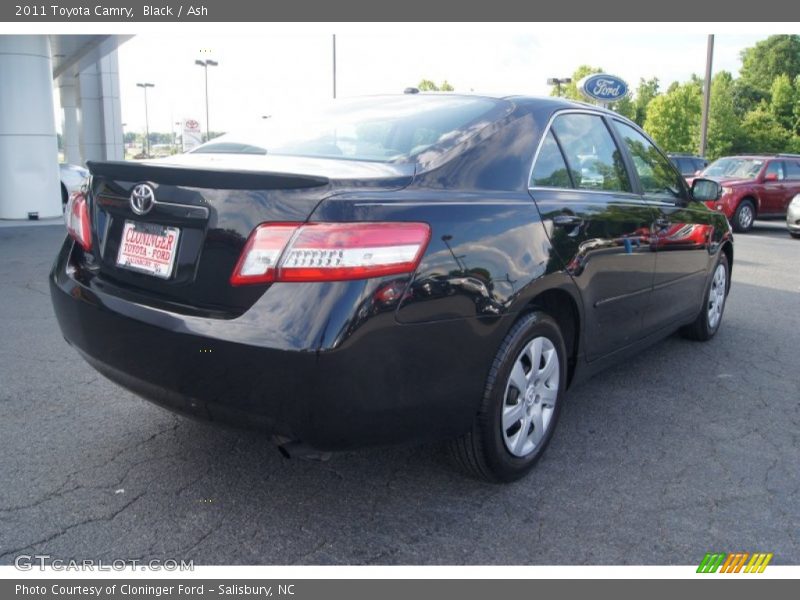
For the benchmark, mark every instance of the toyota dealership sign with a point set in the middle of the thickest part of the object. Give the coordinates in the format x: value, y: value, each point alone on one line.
x: 192, y: 136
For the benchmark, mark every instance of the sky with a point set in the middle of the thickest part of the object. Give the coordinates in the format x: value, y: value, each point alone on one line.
x: 275, y: 72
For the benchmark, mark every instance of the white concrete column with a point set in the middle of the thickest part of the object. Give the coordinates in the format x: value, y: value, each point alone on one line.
x: 90, y: 114
x: 112, y: 109
x: 68, y: 91
x: 99, y: 110
x: 28, y: 145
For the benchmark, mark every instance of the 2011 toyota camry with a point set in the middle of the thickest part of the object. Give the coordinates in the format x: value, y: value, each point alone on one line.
x: 393, y: 269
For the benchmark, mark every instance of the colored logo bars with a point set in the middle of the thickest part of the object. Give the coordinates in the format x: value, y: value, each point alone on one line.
x: 734, y: 562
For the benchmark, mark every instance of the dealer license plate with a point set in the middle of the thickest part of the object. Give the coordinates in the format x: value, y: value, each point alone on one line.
x: 148, y: 248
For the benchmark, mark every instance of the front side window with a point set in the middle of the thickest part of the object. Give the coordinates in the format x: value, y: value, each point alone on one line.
x: 657, y: 176
x: 550, y: 169
x: 734, y: 168
x: 591, y: 154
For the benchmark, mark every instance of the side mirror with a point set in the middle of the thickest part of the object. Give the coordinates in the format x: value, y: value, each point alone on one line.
x: 706, y: 190
x: 771, y: 177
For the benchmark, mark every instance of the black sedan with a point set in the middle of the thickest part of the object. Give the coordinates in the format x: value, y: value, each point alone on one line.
x: 393, y: 269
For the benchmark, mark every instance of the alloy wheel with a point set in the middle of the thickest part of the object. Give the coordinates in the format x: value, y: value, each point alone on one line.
x: 716, y: 296
x: 530, y: 396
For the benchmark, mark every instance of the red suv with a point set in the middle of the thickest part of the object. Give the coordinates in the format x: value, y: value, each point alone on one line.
x: 754, y: 187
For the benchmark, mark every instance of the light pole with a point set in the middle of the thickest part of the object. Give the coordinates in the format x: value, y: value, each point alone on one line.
x: 706, y: 96
x: 334, y: 66
x: 205, y: 64
x: 175, y: 137
x: 146, y: 144
x: 558, y: 82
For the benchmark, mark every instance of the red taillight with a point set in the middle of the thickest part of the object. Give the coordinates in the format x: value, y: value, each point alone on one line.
x: 76, y: 217
x: 330, y: 251
x: 259, y: 260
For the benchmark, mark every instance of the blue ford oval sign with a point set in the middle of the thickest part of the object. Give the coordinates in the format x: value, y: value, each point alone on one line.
x: 603, y: 87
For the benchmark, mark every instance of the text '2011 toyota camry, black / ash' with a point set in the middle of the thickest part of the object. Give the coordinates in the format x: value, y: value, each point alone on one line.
x: 393, y: 269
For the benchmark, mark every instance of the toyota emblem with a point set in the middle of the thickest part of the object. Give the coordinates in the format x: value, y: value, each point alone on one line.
x: 142, y: 199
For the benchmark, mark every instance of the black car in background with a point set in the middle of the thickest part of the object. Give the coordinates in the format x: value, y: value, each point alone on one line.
x: 688, y: 164
x: 394, y: 269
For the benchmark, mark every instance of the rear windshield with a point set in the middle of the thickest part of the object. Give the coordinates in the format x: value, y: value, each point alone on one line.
x: 390, y: 129
x: 734, y: 167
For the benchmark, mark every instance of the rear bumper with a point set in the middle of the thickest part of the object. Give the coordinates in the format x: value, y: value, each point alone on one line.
x: 330, y: 378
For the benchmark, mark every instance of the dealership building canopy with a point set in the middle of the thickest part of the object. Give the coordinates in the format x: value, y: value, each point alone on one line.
x: 85, y: 70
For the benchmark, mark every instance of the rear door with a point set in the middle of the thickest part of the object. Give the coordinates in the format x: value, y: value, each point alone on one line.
x: 680, y: 233
x: 598, y: 226
x: 792, y: 182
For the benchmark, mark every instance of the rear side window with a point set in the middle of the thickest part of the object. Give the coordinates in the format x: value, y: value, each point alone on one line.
x: 656, y: 174
x: 775, y: 168
x: 685, y: 165
x: 384, y: 129
x: 792, y: 169
x: 591, y: 154
x: 550, y: 169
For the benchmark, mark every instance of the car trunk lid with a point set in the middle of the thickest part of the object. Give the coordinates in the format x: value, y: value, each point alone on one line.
x: 210, y: 204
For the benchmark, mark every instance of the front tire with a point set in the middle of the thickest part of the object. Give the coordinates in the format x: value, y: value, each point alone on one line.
x: 795, y: 234
x: 744, y: 216
x: 514, y: 425
x: 710, y: 317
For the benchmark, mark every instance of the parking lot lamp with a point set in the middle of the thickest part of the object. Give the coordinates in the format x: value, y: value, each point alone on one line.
x: 558, y: 82
x: 205, y: 64
x: 146, y: 145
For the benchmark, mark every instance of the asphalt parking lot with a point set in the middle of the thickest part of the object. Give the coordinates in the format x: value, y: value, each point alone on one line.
x: 688, y: 448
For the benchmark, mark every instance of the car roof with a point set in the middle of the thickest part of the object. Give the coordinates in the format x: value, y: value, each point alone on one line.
x: 552, y: 103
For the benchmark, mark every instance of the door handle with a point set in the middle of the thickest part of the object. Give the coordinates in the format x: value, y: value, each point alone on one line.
x: 567, y: 220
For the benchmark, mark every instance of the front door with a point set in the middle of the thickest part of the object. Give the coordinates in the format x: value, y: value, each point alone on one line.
x: 680, y: 234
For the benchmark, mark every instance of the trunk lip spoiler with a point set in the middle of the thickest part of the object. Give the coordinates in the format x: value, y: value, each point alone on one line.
x: 204, y: 177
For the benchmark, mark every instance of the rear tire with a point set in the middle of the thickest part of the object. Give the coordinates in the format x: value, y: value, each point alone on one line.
x: 710, y: 318
x: 744, y: 216
x: 513, y: 427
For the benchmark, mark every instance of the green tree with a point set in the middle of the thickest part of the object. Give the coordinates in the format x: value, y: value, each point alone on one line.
x: 763, y: 132
x: 647, y: 90
x: 769, y: 58
x: 673, y: 119
x: 783, y: 101
x: 797, y: 105
x: 426, y: 85
x: 625, y: 106
x: 570, y: 90
x: 724, y: 124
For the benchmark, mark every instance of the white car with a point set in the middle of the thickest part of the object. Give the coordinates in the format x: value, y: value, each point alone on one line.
x: 793, y: 217
x: 72, y: 178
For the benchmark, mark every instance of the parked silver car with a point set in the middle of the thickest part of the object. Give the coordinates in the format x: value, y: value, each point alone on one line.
x: 72, y: 178
x: 793, y: 217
